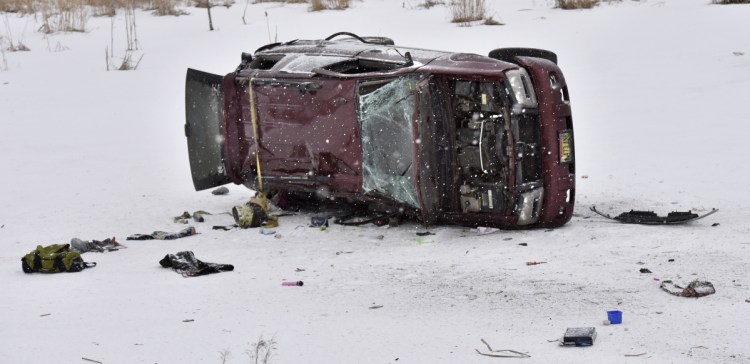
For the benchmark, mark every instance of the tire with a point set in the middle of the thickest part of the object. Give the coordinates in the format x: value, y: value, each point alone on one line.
x: 510, y: 54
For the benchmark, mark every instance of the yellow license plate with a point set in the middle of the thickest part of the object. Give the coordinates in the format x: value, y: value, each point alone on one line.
x: 566, y: 146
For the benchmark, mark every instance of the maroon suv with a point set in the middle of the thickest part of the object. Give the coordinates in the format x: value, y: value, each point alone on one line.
x: 446, y: 138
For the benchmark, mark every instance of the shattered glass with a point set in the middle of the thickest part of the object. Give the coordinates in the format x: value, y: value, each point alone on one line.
x: 387, y: 139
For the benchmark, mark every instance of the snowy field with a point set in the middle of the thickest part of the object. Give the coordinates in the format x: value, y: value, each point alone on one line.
x: 659, y: 90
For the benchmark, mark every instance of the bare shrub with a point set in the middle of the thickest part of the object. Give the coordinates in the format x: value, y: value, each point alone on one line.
x: 261, y: 351
x: 129, y: 61
x: 7, y: 43
x: 491, y: 21
x: 465, y: 11
x: 430, y: 3
x: 4, y: 64
x: 576, y: 4
x: 725, y: 2
x: 224, y: 355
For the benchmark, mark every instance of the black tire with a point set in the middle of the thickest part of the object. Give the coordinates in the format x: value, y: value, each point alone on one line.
x: 510, y: 54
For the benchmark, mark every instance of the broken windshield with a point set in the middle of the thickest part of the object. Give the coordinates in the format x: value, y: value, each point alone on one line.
x: 386, y: 110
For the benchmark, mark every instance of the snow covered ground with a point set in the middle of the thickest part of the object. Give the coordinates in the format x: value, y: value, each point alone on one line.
x: 659, y: 90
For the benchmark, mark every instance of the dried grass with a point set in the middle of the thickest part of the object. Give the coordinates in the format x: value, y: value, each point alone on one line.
x: 17, y: 6
x: 466, y: 11
x: 64, y: 16
x: 261, y: 351
x: 318, y: 5
x: 576, y: 4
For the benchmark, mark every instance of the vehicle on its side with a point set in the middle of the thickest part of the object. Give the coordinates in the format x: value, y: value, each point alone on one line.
x: 441, y: 137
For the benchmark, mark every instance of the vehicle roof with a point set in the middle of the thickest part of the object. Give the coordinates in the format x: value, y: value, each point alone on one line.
x: 303, y: 56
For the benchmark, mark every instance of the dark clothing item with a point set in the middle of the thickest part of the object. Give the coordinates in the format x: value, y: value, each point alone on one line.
x: 106, y: 245
x: 162, y: 235
x: 188, y: 265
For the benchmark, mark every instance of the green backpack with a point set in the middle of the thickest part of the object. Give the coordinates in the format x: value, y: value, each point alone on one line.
x: 54, y: 258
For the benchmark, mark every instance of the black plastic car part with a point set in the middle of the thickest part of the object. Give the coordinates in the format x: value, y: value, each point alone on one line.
x: 651, y: 218
x: 509, y: 54
x: 371, y: 40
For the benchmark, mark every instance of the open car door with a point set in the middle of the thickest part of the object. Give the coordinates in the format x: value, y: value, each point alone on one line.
x: 204, y: 129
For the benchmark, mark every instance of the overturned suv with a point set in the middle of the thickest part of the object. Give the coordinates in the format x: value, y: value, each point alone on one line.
x: 445, y: 138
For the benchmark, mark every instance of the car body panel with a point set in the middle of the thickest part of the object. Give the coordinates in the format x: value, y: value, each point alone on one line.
x: 204, y: 129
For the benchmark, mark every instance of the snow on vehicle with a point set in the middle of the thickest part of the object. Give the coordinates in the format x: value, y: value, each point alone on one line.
x: 445, y: 138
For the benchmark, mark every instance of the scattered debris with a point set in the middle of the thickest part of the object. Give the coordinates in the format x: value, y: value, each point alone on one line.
x: 645, y: 270
x: 523, y: 244
x: 182, y: 219
x: 486, y: 230
x: 502, y: 353
x: 249, y: 215
x: 266, y: 231
x: 92, y: 360
x: 108, y: 245
x: 161, y: 235
x: 696, y: 288
x: 534, y: 263
x: 299, y: 270
x: 220, y: 191
x: 224, y: 228
x: 579, y: 336
x: 650, y: 217
x: 670, y: 260
x: 425, y: 241
x: 747, y: 300
x: 425, y: 233
x: 186, y: 264
x: 375, y: 307
x: 690, y: 351
x: 715, y: 224
x: 45, y: 314
x: 738, y: 53
x: 343, y: 252
x: 507, y: 239
x: 633, y: 355
x: 392, y: 219
x: 318, y: 221
x: 188, y: 320
x: 198, y: 215
x: 614, y: 317
x: 606, y: 322
x: 292, y: 283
